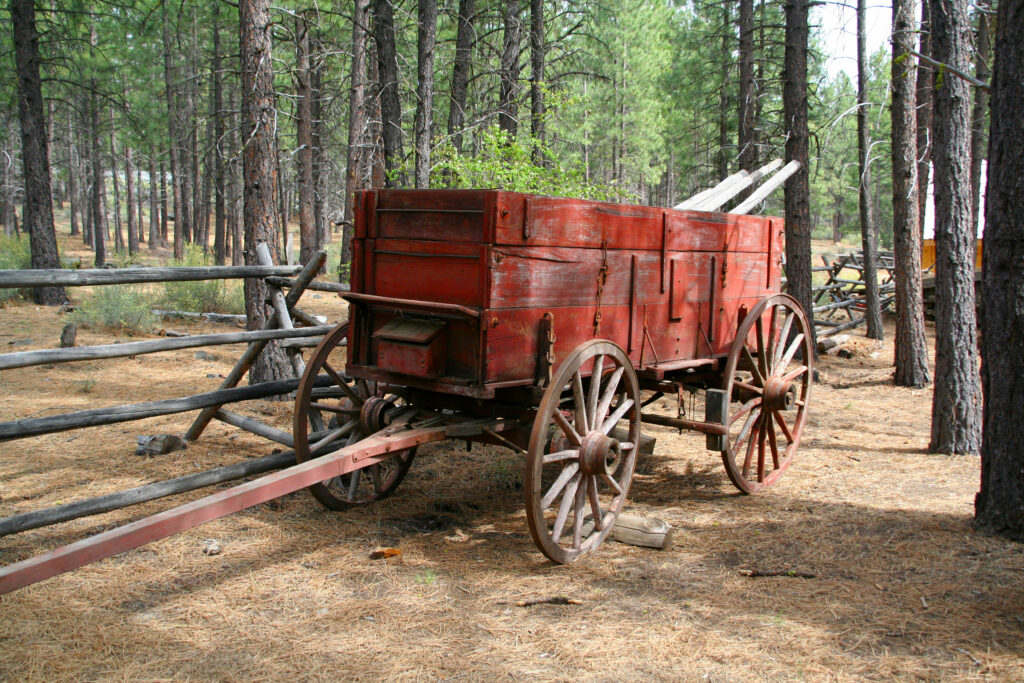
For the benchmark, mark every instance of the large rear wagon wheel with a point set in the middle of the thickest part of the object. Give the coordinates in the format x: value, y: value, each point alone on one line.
x: 768, y: 388
x: 330, y: 418
x: 577, y: 475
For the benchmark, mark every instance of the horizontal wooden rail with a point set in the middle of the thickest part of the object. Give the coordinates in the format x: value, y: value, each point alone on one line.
x: 123, y: 276
x: 18, y: 429
x: 24, y: 359
x: 315, y: 285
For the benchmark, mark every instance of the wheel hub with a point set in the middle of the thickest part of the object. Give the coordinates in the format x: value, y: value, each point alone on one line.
x: 599, y: 454
x: 373, y: 416
x: 779, y: 395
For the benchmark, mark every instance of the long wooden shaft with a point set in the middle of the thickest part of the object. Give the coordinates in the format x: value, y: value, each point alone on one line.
x: 18, y: 429
x: 143, y: 494
x: 255, y: 427
x: 701, y: 196
x: 714, y: 202
x: 124, y: 276
x: 680, y: 423
x: 220, y: 504
x: 24, y: 359
x: 315, y: 285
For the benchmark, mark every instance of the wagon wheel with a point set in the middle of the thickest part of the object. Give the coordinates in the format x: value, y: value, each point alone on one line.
x: 577, y: 476
x: 330, y: 418
x: 768, y: 388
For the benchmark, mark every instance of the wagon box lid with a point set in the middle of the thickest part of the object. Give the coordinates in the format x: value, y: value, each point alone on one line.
x: 410, y: 331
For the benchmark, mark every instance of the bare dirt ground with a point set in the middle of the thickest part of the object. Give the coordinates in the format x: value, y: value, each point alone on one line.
x: 902, y: 586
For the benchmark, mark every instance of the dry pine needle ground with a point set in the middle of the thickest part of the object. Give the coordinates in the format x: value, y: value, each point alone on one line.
x: 903, y: 587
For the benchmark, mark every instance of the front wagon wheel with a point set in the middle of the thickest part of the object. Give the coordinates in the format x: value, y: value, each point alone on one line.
x: 577, y: 474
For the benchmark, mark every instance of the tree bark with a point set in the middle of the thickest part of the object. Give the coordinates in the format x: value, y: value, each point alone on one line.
x: 129, y: 199
x: 925, y: 85
x: 956, y: 403
x: 797, y: 189
x: 99, y: 237
x: 390, y: 105
x: 460, y: 72
x: 323, y: 231
x: 869, y: 240
x: 978, y: 137
x: 911, y: 355
x: 999, y: 506
x: 219, y: 219
x: 358, y: 138
x: 308, y: 245
x: 424, y: 122
x: 75, y: 203
x: 259, y: 170
x: 163, y: 204
x: 174, y: 143
x: 537, y: 49
x: 38, y: 209
x: 747, y: 97
x: 119, y: 243
x: 508, y: 106
x: 725, y: 62
x: 140, y: 229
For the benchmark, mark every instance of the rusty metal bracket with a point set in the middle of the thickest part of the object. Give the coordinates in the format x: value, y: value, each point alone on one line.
x: 602, y: 280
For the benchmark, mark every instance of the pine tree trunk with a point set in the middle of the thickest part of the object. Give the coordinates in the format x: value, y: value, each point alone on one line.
x: 725, y: 61
x: 129, y: 199
x: 308, y: 245
x: 747, y: 96
x: 323, y: 231
x: 869, y: 243
x: 999, y: 506
x: 38, y: 209
x: 797, y: 189
x: 259, y: 169
x: 956, y: 404
x: 119, y: 243
x: 218, y: 136
x: 925, y: 84
x: 358, y: 138
x: 978, y: 118
x: 154, y: 212
x: 460, y: 72
x: 174, y: 144
x: 911, y: 355
x: 423, y: 124
x: 163, y: 205
x: 537, y: 50
x: 99, y: 238
x: 390, y: 104
x: 508, y: 106
x: 75, y: 204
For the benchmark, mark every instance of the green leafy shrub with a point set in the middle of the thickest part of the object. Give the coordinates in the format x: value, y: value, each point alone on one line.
x: 202, y: 296
x: 507, y: 164
x: 15, y: 254
x: 122, y: 308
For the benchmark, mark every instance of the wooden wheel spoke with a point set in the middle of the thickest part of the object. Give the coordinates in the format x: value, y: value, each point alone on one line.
x: 760, y: 449
x: 595, y: 503
x: 568, y: 498
x: 342, y: 384
x: 566, y: 428
x: 580, y: 403
x: 744, y: 409
x: 610, y: 480
x: 772, y: 442
x: 614, y: 418
x: 747, y: 386
x: 754, y: 369
x: 762, y: 362
x: 796, y: 372
x: 561, y: 456
x: 567, y: 473
x: 375, y: 478
x: 626, y: 446
x: 773, y: 327
x: 595, y: 389
x: 745, y: 429
x: 780, y: 344
x: 333, y: 409
x: 784, y: 363
x: 609, y: 395
x: 749, y: 459
x: 786, y: 431
x: 332, y: 436
x: 353, y: 484
x: 579, y: 506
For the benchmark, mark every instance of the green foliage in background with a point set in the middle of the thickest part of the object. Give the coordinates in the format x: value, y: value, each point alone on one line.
x: 202, y: 296
x: 507, y: 164
x: 14, y: 255
x: 117, y: 308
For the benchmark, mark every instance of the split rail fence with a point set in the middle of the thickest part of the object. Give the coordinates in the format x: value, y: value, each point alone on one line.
x: 290, y: 325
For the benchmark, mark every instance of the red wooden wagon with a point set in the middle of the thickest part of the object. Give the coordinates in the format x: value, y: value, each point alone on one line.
x: 534, y: 323
x: 553, y: 315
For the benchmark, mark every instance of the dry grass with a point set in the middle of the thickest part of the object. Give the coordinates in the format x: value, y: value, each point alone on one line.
x: 903, y: 589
